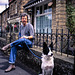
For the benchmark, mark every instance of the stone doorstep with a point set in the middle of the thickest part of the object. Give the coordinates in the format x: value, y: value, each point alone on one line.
x: 64, y: 57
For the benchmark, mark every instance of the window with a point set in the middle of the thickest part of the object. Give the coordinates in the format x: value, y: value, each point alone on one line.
x: 40, y: 9
x: 43, y: 18
x: 15, y: 7
x: 49, y: 8
x: 44, y: 22
x: 37, y: 11
x: 45, y: 8
x: 16, y: 27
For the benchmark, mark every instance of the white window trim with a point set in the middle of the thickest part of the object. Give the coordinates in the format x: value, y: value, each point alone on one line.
x: 39, y: 14
x: 43, y: 14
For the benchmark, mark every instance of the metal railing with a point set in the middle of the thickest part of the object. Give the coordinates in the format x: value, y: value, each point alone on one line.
x: 62, y: 42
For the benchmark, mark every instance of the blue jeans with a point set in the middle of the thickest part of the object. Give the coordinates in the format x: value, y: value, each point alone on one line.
x: 18, y: 44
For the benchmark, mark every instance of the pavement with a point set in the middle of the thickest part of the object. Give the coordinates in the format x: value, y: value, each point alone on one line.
x: 20, y: 68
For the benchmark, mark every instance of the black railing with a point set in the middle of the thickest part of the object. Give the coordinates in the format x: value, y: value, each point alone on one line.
x: 62, y: 42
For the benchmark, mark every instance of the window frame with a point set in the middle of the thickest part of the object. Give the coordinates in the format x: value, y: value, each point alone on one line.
x: 37, y: 15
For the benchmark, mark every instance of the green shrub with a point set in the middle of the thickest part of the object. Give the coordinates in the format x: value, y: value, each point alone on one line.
x: 71, y: 18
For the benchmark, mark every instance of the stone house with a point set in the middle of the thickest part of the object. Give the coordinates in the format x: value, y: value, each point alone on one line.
x: 43, y: 14
x: 4, y: 16
x: 49, y: 14
x: 15, y: 10
x: 12, y: 14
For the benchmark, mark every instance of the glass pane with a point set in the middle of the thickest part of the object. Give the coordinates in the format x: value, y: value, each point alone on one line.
x: 49, y: 22
x: 37, y: 11
x: 16, y: 27
x: 44, y: 22
x: 40, y: 9
x: 41, y: 23
x: 37, y: 24
x: 49, y: 9
x: 45, y: 8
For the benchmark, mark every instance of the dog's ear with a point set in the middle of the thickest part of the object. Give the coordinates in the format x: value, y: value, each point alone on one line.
x: 51, y: 46
x: 44, y: 44
x: 45, y: 49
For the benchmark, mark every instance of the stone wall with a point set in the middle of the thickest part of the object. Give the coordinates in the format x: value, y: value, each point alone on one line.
x: 2, y: 42
x: 14, y: 36
x: 4, y: 18
x: 59, y: 15
x: 62, y: 67
x: 19, y: 5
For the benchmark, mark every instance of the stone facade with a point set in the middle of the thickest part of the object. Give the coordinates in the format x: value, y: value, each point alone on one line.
x: 59, y: 16
x: 5, y: 15
x: 63, y: 65
x: 12, y: 13
x: 54, y: 15
x: 16, y: 8
x: 0, y: 19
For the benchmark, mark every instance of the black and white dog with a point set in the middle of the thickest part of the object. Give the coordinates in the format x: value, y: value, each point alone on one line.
x: 47, y: 60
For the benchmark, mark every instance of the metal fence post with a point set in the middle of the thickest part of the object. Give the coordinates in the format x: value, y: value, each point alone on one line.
x: 37, y: 37
x: 10, y: 32
x: 43, y: 35
x: 61, y: 40
x: 67, y: 43
x: 34, y: 38
x: 40, y: 38
x: 56, y: 39
x: 47, y: 35
x: 51, y: 35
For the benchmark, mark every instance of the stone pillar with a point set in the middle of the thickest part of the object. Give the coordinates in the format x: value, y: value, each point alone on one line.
x: 61, y: 14
x: 54, y: 15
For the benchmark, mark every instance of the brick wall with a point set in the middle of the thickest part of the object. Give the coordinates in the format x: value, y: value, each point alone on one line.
x: 4, y: 18
x: 20, y: 9
x: 22, y: 4
x: 54, y: 15
x: 61, y: 66
x: 59, y: 15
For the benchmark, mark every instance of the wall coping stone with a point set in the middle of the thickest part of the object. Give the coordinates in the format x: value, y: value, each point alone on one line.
x: 64, y: 57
